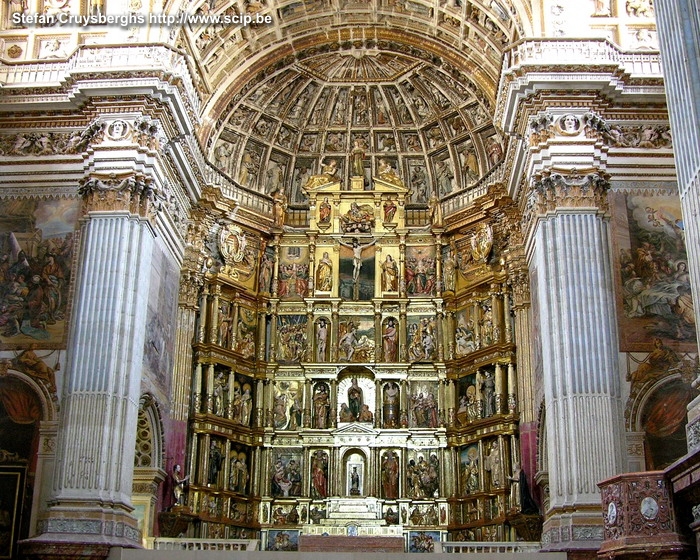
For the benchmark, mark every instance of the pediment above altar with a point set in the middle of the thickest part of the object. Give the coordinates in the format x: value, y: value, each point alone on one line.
x: 355, y: 429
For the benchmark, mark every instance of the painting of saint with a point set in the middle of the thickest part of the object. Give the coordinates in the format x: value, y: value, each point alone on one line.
x: 293, y: 272
x: 36, y: 251
x: 653, y: 286
x: 420, y: 271
x: 291, y: 338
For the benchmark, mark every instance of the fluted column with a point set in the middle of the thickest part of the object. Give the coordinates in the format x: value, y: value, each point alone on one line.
x: 571, y: 257
x: 92, y: 483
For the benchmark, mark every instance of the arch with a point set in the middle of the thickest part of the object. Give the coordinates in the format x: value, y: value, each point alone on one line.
x: 149, y: 452
x: 355, y: 472
x: 660, y: 414
x: 28, y: 421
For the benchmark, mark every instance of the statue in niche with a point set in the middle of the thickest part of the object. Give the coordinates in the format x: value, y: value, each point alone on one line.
x: 329, y: 174
x: 266, y: 270
x: 488, y: 388
x: 390, y: 341
x: 355, y: 482
x: 324, y: 212
x: 358, y: 156
x: 246, y: 405
x: 389, y: 210
x: 319, y: 475
x: 324, y: 274
x: 390, y: 476
x: 322, y: 405
x: 389, y: 275
x: 321, y: 339
x: 493, y: 464
x: 449, y: 271
x: 355, y: 399
x: 216, y: 458
x: 391, y: 405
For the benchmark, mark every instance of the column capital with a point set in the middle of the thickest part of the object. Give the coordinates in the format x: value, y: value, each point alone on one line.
x: 552, y: 191
x: 131, y: 192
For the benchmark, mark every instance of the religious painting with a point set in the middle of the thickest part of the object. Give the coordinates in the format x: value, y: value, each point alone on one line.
x: 36, y: 251
x: 286, y: 541
x: 292, y: 342
x: 469, y: 469
x: 286, y: 476
x: 420, y: 271
x: 239, y: 469
x: 423, y: 474
x: 651, y: 266
x: 423, y: 541
x: 287, y: 405
x: 469, y: 404
x: 246, y: 331
x: 357, y: 269
x: 159, y: 343
x: 11, y: 501
x: 423, y: 405
x: 356, y: 339
x: 243, y: 399
x: 293, y: 272
x: 421, y: 339
x: 663, y: 420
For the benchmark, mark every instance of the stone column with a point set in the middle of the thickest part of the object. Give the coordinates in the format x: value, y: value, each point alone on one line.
x: 571, y: 258
x: 91, y: 501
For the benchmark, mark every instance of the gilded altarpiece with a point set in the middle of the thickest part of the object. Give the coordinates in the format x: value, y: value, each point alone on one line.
x: 368, y: 379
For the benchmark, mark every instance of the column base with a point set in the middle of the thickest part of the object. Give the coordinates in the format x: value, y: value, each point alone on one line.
x: 71, y: 532
x: 579, y: 533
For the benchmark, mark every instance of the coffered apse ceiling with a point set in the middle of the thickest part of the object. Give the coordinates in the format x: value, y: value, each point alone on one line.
x: 413, y: 80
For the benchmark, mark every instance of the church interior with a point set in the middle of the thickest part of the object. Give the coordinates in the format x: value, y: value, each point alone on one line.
x: 396, y: 275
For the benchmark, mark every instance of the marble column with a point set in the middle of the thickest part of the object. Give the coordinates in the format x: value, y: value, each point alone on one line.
x: 571, y: 259
x: 91, y: 501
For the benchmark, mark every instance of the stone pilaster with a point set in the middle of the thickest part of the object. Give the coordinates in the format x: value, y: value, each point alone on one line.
x: 91, y: 502
x: 571, y: 257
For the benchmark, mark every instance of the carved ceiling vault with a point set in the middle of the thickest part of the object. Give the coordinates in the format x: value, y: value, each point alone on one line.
x: 413, y: 81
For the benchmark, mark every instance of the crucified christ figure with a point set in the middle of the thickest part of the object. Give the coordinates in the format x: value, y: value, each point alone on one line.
x: 357, y: 255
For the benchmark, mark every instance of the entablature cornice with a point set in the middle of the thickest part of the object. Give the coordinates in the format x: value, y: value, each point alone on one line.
x: 535, y: 66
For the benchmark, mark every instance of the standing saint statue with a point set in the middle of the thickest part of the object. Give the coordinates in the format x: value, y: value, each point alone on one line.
x: 324, y: 274
x: 355, y: 400
x: 358, y: 155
